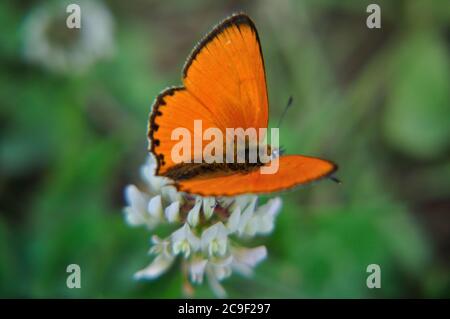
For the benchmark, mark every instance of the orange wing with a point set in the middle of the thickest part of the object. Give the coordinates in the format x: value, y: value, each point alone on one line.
x: 293, y: 170
x: 225, y: 72
x: 224, y: 86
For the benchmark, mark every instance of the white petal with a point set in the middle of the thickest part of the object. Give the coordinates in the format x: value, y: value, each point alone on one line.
x: 158, y: 242
x: 172, y: 212
x: 197, y: 270
x: 226, y: 201
x: 251, y: 227
x: 266, y: 214
x: 159, y: 265
x: 221, y: 269
x: 243, y: 269
x: 133, y: 217
x: 265, y: 224
x: 252, y: 203
x: 222, y: 247
x: 271, y: 208
x: 222, y: 231
x: 221, y: 262
x: 160, y: 246
x: 276, y: 206
x: 209, y: 203
x: 153, y: 182
x: 246, y: 216
x: 245, y: 259
x: 250, y: 256
x: 130, y: 191
x: 156, y: 183
x: 194, y: 241
x: 214, y: 240
x: 177, y: 247
x: 222, y: 273
x: 216, y: 231
x: 135, y: 198
x: 180, y: 233
x: 137, y: 201
x: 170, y: 194
x: 155, y: 207
x: 148, y: 171
x: 184, y: 236
x: 194, y: 214
x: 208, y: 235
x: 245, y: 201
x: 215, y: 285
x: 233, y: 221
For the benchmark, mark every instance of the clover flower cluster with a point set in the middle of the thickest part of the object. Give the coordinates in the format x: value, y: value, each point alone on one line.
x: 50, y: 43
x: 208, y: 230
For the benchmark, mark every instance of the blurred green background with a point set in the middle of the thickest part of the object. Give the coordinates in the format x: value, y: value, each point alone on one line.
x: 377, y: 102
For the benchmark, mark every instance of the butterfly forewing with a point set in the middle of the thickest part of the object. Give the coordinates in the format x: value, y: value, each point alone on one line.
x: 224, y: 87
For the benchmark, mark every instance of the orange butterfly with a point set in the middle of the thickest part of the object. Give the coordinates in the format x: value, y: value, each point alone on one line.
x: 224, y: 86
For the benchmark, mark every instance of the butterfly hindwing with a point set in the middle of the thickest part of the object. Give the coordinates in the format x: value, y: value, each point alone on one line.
x: 294, y: 170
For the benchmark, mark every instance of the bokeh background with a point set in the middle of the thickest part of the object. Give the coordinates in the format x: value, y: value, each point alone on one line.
x: 73, y: 117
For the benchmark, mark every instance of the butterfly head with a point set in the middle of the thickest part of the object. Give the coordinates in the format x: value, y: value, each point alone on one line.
x: 276, y: 152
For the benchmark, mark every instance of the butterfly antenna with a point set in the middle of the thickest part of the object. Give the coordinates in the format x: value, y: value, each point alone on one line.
x: 288, y: 105
x: 335, y: 179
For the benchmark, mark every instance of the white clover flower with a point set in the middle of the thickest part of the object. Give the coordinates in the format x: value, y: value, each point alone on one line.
x: 47, y: 41
x: 193, y: 216
x: 160, y: 264
x: 197, y: 268
x: 209, y: 203
x: 184, y: 241
x: 246, y: 228
x: 245, y: 259
x: 136, y: 212
x: 233, y: 221
x: 158, y: 203
x: 207, y: 230
x: 220, y: 268
x: 214, y: 240
x: 265, y: 215
x: 261, y: 220
x: 142, y: 209
x: 172, y: 212
x: 160, y: 247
